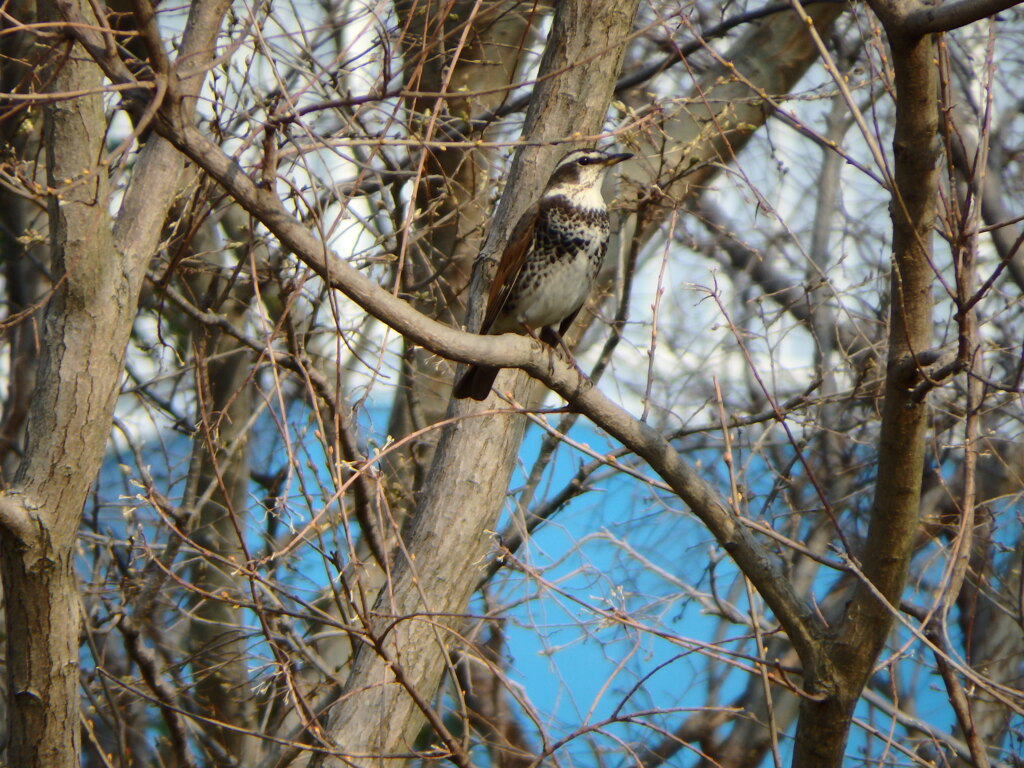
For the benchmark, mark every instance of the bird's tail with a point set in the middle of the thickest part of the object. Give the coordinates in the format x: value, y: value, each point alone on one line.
x: 476, y: 382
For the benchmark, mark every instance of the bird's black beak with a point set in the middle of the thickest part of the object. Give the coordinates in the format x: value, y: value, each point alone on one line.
x: 618, y: 158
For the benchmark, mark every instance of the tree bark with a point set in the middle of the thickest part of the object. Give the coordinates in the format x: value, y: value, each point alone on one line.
x: 217, y: 639
x: 436, y: 572
x: 859, y: 638
x: 98, y: 274
x: 728, y: 104
x: 396, y: 671
x: 68, y: 424
x: 448, y: 49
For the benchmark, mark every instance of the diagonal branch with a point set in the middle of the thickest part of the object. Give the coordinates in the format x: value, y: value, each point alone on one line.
x: 519, y: 352
x: 930, y: 19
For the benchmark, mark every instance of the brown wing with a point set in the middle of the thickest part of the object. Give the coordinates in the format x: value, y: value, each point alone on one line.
x: 509, y: 267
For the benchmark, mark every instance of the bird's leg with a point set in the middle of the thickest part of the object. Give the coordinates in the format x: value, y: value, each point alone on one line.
x: 532, y: 333
x: 553, y: 338
x: 545, y: 338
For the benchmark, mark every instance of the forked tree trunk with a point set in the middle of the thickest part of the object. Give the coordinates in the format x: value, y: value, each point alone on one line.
x: 79, y: 369
x: 98, y: 271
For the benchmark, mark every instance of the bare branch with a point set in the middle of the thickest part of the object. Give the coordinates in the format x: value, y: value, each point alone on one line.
x: 930, y: 19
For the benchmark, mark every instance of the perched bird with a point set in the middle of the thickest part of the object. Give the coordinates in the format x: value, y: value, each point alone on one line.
x: 551, y: 262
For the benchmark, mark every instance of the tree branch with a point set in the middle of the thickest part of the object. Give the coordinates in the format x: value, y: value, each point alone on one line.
x: 930, y: 19
x: 15, y: 518
x: 861, y: 635
x: 518, y: 352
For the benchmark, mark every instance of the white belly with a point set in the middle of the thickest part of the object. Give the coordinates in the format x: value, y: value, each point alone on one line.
x: 559, y: 295
x: 560, y: 269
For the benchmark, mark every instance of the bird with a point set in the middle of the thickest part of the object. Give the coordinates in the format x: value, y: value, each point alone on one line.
x: 551, y: 262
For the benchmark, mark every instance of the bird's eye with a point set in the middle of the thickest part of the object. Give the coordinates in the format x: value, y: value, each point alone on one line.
x: 586, y: 160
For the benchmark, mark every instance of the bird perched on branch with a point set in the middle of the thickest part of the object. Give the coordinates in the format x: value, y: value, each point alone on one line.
x: 550, y: 264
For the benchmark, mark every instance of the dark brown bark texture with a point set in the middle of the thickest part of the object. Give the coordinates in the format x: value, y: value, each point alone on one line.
x: 850, y: 655
x: 68, y: 423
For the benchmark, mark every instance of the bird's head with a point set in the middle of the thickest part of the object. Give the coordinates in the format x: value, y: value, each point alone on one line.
x: 578, y: 176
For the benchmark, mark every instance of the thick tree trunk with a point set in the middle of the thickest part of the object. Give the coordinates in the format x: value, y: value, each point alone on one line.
x: 857, y: 640
x: 398, y: 668
x: 88, y: 320
x: 471, y: 46
x: 67, y: 427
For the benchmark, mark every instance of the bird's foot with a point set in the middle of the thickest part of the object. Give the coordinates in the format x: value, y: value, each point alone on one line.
x: 554, y: 339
